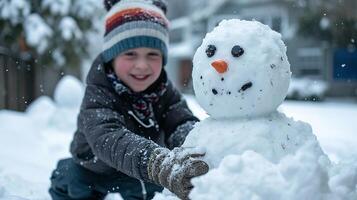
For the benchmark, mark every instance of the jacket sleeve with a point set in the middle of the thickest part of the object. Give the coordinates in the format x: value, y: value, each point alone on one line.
x: 178, y: 119
x: 108, y: 137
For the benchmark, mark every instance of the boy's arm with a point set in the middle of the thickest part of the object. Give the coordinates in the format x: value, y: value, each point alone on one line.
x: 177, y: 138
x: 109, y: 139
x: 131, y: 154
x: 178, y: 119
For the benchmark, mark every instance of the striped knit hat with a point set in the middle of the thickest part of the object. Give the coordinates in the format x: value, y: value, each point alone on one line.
x: 133, y: 24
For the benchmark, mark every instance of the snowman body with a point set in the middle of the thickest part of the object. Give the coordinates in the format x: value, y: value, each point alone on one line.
x: 271, y: 157
x: 241, y: 75
x: 274, y: 137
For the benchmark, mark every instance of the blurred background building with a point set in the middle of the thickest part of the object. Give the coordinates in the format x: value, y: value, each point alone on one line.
x: 43, y: 40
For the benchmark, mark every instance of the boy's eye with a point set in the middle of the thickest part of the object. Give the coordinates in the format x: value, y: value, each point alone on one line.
x: 154, y: 54
x: 129, y: 53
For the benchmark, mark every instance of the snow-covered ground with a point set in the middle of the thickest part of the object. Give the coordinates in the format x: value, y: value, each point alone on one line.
x: 32, y: 142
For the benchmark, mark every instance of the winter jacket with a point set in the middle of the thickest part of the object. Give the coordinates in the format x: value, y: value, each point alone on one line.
x: 110, y: 139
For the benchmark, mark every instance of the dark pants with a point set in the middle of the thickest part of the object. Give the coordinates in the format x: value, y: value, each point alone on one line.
x: 71, y: 181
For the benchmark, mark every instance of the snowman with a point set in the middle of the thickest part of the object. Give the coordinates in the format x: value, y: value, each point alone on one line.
x: 241, y: 75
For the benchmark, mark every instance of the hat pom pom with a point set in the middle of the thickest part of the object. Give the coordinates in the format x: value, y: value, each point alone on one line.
x: 109, y: 3
x: 162, y: 4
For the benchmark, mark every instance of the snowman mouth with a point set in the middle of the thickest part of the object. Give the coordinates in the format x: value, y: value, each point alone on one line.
x: 245, y: 86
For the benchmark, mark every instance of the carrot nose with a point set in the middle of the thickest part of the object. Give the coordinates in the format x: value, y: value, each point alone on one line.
x: 220, y: 65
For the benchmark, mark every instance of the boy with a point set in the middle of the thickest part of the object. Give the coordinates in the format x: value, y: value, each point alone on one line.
x: 130, y: 116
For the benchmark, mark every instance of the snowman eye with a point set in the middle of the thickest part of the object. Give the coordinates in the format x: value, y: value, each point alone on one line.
x: 211, y: 50
x: 237, y: 51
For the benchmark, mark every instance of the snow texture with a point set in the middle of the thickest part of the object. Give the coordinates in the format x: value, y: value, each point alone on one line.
x: 65, y: 89
x: 306, y: 88
x: 69, y: 29
x: 37, y: 32
x: 254, y: 84
x: 57, y: 7
x: 52, y: 18
x: 58, y: 56
x: 254, y: 151
x: 262, y: 157
x: 273, y: 137
x: 31, y: 143
x: 86, y: 8
x: 14, y: 10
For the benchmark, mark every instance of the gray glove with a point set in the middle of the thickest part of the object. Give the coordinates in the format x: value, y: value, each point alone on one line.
x: 175, y: 169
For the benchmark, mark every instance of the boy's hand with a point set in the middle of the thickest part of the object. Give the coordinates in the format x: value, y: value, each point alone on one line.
x: 175, y: 169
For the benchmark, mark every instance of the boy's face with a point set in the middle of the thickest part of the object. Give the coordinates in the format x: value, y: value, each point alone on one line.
x: 138, y: 68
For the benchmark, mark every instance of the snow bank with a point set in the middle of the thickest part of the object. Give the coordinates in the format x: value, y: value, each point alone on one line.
x: 307, y: 88
x: 32, y: 142
x: 273, y: 158
x: 69, y: 92
x: 273, y: 137
x: 251, y: 176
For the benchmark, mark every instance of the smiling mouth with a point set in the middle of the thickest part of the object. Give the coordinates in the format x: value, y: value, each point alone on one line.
x: 245, y: 87
x: 140, y: 77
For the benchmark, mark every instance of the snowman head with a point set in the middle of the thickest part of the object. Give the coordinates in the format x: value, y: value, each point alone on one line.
x: 241, y: 70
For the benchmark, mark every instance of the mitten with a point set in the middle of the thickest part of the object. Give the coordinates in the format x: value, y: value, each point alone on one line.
x: 174, y: 169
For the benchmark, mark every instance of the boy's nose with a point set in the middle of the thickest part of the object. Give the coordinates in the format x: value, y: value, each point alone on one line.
x: 141, y: 64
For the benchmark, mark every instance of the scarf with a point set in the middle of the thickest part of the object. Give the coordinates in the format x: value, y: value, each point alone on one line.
x: 141, y: 102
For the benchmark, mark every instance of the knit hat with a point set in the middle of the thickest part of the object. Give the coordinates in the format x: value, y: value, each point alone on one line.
x: 135, y: 23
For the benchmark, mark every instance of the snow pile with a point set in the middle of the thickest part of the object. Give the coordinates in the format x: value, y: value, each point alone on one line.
x: 64, y: 91
x: 273, y: 137
x: 343, y: 179
x: 335, y: 134
x: 307, y: 88
x: 251, y: 176
x: 271, y: 157
x: 241, y: 75
x: 31, y: 143
x: 68, y: 98
x: 337, y: 137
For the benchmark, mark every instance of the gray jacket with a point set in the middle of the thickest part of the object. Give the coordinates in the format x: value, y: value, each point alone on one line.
x: 111, y: 140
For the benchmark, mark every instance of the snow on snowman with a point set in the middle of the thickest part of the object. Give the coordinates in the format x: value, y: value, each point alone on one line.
x: 241, y: 75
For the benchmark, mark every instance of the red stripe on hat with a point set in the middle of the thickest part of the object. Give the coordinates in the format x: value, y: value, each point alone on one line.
x: 141, y: 17
x: 122, y: 15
